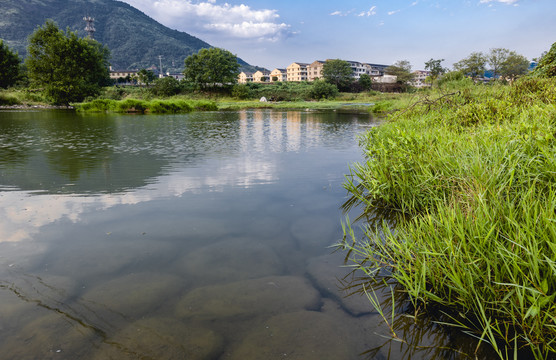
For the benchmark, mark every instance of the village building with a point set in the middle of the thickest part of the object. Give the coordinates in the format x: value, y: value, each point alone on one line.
x: 261, y: 76
x: 419, y: 78
x: 297, y: 71
x: 244, y: 77
x: 314, y: 71
x: 122, y: 74
x: 278, y: 75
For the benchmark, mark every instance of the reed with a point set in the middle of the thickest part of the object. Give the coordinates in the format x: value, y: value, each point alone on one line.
x: 472, y: 177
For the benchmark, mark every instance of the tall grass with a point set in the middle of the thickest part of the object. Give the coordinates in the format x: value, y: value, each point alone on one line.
x: 473, y: 177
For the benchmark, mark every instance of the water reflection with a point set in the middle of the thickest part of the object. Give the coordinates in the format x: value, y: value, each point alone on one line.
x: 197, y: 236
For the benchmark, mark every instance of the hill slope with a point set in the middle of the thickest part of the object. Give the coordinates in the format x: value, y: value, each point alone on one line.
x: 134, y: 39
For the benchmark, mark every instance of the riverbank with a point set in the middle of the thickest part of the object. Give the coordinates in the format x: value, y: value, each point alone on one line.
x: 470, y: 178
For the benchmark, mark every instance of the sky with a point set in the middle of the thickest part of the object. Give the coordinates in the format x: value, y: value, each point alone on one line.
x: 274, y: 34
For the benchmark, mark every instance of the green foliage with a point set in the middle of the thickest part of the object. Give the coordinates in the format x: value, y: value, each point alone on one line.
x: 454, y: 80
x: 174, y: 106
x: 547, y: 64
x: 506, y: 63
x: 323, y: 90
x: 435, y: 68
x: 212, y: 67
x: 337, y: 72
x: 474, y: 65
x: 145, y: 76
x: 472, y: 174
x: 166, y: 86
x: 402, y: 70
x: 66, y: 67
x: 8, y: 100
x: 9, y: 66
x: 365, y: 82
x: 240, y: 91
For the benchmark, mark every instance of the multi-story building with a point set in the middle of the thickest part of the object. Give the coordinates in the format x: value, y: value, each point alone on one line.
x: 419, y: 78
x: 244, y: 77
x: 358, y: 69
x: 314, y: 71
x: 297, y: 71
x: 279, y: 75
x: 261, y: 76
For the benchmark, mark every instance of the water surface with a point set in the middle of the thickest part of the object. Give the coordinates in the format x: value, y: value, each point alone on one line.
x: 198, y: 236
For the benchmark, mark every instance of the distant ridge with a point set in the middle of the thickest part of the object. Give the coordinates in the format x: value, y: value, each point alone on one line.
x: 135, y: 39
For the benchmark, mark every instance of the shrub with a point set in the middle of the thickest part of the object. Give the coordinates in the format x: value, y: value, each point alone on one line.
x: 323, y: 90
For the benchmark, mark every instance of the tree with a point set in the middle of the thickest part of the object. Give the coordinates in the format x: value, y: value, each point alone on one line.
x: 547, y: 64
x: 9, y: 66
x: 321, y: 89
x: 145, y: 76
x: 211, y: 67
x: 66, y: 67
x: 474, y: 65
x: 514, y: 65
x: 435, y: 68
x: 402, y: 70
x: 166, y: 86
x: 496, y: 59
x: 337, y: 72
x: 365, y: 82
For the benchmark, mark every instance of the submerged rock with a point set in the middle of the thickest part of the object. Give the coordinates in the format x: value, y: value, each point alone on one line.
x: 269, y: 295
x: 302, y: 335
x: 230, y: 260
x: 132, y: 295
x: 332, y: 279
x: 161, y: 338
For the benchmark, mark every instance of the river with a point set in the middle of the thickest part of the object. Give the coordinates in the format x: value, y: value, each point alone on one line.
x: 197, y: 236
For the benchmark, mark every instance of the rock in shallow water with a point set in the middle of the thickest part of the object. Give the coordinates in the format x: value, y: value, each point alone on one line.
x: 161, y: 338
x: 331, y: 278
x: 268, y: 295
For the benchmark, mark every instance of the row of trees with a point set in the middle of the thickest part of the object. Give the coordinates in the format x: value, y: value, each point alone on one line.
x: 68, y: 68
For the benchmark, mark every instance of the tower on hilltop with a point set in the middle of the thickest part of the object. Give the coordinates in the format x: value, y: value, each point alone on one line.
x: 90, y: 28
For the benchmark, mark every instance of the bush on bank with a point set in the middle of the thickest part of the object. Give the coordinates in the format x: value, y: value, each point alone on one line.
x: 145, y: 106
x: 473, y: 176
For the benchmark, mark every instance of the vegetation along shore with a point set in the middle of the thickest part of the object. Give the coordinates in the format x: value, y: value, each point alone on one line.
x: 468, y: 175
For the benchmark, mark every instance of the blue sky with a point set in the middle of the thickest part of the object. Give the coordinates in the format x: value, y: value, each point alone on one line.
x: 276, y: 33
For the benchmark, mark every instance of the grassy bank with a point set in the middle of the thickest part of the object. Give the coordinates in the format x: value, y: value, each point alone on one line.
x: 471, y: 175
x: 175, y: 106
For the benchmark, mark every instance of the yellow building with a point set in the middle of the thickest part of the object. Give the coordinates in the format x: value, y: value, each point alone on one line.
x: 244, y: 77
x: 314, y: 71
x: 297, y: 71
x: 261, y: 76
x: 278, y: 74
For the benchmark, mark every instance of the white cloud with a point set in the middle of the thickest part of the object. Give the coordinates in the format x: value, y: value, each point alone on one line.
x: 207, y: 16
x: 393, y: 12
x: 371, y: 12
x: 509, y: 2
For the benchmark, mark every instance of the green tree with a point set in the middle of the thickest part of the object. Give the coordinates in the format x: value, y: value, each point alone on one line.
x: 145, y: 76
x: 9, y: 66
x: 337, y: 72
x: 496, y: 59
x: 166, y: 86
x: 211, y: 67
x: 474, y: 65
x: 435, y: 68
x: 321, y: 89
x: 514, y: 66
x: 365, y: 82
x: 66, y: 67
x: 547, y: 64
x: 402, y: 70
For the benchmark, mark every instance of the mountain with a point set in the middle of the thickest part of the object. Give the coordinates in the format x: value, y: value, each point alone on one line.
x: 134, y: 39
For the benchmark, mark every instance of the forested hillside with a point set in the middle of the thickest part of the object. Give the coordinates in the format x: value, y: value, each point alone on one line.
x: 135, y: 40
